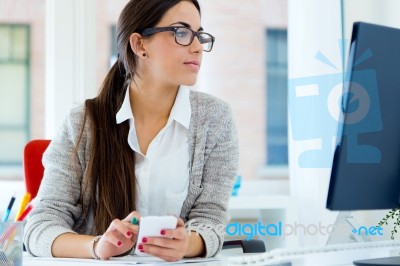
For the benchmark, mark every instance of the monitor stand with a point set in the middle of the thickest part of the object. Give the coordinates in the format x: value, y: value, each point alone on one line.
x: 345, y: 219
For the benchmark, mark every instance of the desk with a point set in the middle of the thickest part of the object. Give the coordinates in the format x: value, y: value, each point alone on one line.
x: 339, y: 258
x: 332, y: 259
x: 32, y: 261
x: 335, y: 255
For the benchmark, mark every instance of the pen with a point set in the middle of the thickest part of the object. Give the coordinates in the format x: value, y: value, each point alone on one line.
x: 10, y: 230
x: 9, y: 240
x: 7, y: 234
x: 25, y: 213
x: 24, y: 201
x: 8, y: 210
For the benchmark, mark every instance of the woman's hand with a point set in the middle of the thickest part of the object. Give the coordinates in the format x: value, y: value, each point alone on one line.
x: 119, y: 238
x: 171, y: 248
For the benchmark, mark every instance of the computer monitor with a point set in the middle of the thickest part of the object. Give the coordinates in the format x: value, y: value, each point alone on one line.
x: 366, y: 165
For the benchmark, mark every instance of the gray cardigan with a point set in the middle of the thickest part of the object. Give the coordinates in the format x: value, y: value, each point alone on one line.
x: 214, y: 163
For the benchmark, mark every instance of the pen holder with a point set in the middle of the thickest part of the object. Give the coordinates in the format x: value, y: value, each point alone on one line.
x: 11, y: 243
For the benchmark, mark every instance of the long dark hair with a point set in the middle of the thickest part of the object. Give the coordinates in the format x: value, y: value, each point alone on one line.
x: 111, y: 166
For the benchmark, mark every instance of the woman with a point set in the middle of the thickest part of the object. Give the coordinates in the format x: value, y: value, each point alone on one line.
x: 145, y: 146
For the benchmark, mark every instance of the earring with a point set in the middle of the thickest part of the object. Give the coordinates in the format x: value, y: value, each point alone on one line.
x: 144, y: 54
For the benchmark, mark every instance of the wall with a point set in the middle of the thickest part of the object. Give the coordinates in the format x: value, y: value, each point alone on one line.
x: 27, y: 12
x: 236, y: 68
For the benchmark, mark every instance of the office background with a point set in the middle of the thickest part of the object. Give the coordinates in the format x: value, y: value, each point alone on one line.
x: 251, y: 38
x: 54, y: 54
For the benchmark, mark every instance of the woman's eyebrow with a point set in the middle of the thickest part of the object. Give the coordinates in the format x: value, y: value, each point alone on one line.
x: 186, y: 25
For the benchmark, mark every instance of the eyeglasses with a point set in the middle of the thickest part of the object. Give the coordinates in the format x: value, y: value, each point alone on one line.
x: 184, y: 36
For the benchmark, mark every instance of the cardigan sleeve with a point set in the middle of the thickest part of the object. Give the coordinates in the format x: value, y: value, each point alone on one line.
x: 209, y: 215
x: 56, y: 207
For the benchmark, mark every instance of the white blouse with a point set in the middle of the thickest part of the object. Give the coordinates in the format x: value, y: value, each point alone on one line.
x: 163, y: 173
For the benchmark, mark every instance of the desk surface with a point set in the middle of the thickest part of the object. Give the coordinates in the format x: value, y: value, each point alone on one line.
x: 331, y: 259
x: 32, y: 261
x: 342, y: 255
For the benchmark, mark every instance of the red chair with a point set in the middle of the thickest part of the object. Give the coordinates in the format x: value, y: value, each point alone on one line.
x: 33, y: 167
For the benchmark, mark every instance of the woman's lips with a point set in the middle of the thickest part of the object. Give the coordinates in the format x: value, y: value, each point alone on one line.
x: 193, y: 65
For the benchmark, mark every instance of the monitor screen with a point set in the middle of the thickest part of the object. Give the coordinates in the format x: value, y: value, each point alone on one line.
x: 366, y: 166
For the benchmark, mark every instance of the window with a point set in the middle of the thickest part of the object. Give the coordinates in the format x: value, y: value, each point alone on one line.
x: 277, y: 143
x: 14, y: 92
x: 114, y: 48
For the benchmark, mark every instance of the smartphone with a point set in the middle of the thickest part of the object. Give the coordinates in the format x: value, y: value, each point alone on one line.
x: 150, y: 226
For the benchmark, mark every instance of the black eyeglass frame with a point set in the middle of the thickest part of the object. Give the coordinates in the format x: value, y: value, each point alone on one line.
x: 150, y: 31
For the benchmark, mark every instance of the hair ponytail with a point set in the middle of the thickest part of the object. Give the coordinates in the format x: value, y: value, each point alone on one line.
x: 111, y: 167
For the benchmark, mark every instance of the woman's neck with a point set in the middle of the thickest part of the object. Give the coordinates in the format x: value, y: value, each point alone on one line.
x: 151, y: 100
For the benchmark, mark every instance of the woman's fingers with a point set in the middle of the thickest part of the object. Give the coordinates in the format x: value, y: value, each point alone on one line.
x: 122, y: 227
x: 132, y: 220
x: 110, y: 237
x: 119, y: 238
x: 171, y: 247
x: 166, y: 254
x: 169, y: 237
x: 178, y: 233
x: 132, y: 215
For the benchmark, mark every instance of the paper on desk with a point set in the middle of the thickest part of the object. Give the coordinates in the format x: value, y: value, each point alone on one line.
x: 132, y: 259
x: 126, y: 260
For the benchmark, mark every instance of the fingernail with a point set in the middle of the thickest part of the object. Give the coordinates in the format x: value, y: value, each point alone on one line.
x: 119, y: 243
x: 129, y: 233
x: 144, y: 240
x: 140, y: 247
x: 134, y: 220
x: 162, y: 232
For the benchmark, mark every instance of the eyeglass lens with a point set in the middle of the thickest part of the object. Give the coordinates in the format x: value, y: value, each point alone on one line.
x: 184, y: 36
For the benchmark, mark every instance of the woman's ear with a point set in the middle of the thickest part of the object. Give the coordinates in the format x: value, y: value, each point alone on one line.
x: 136, y: 43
